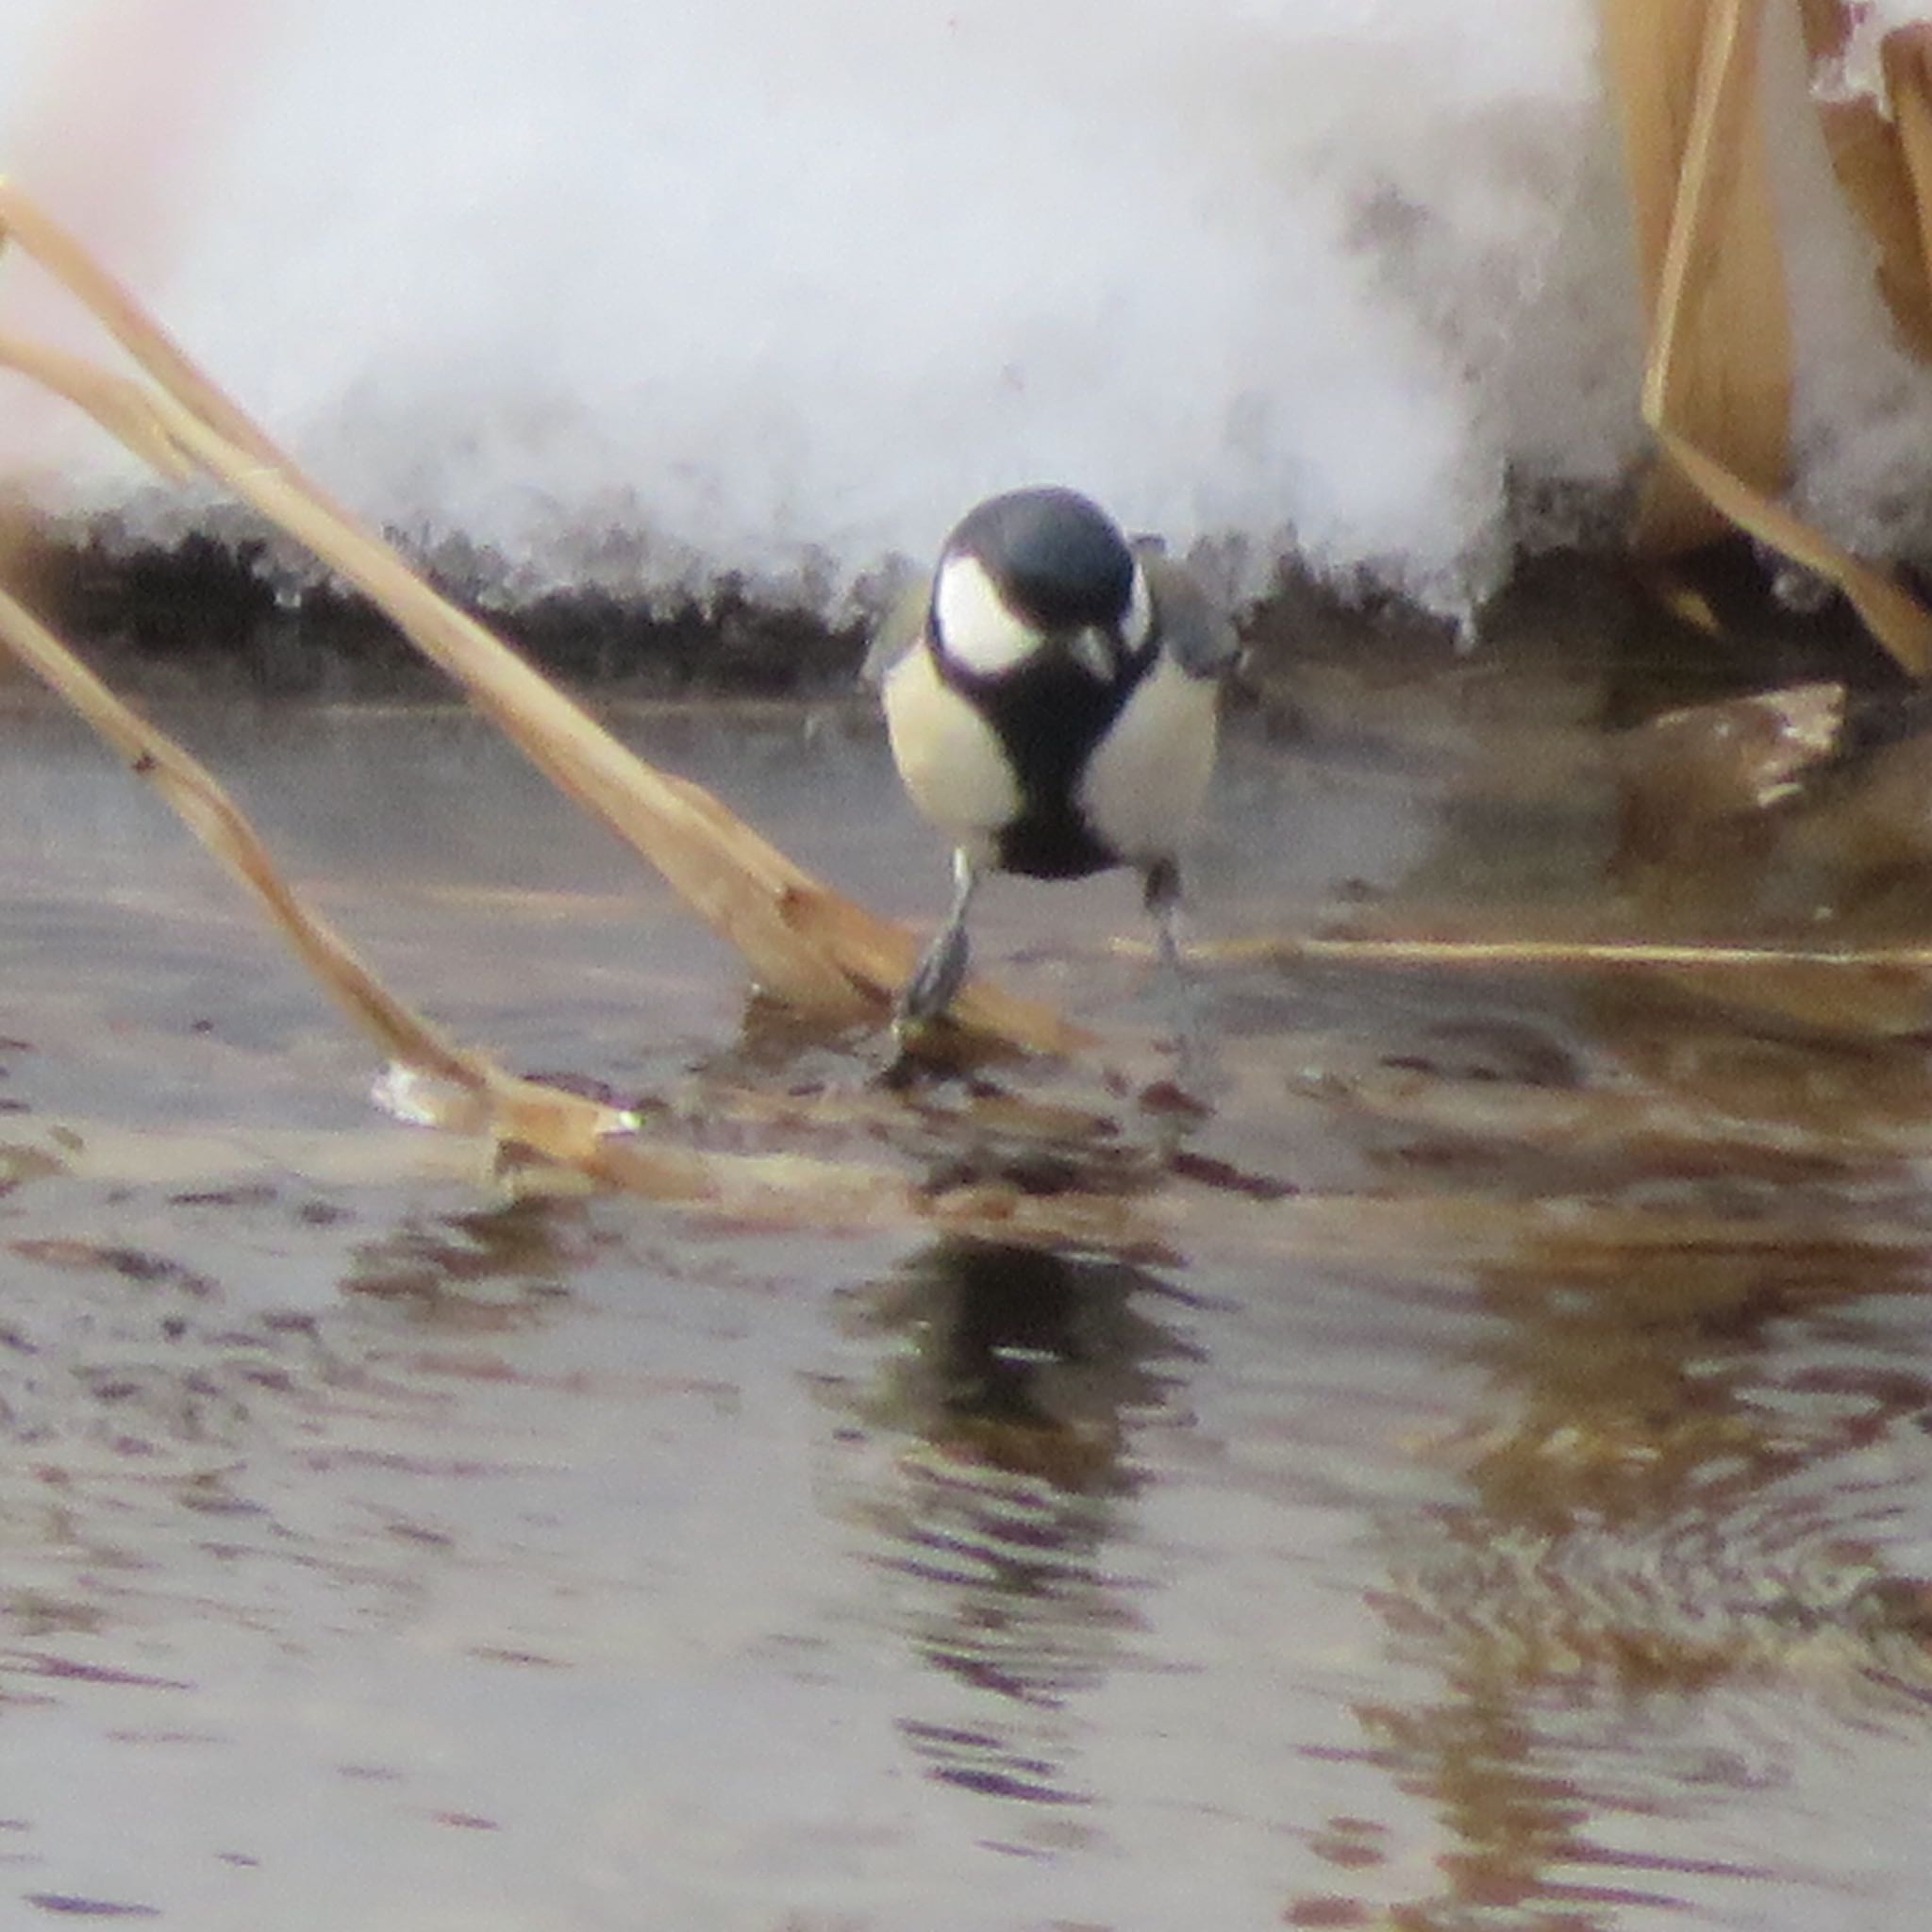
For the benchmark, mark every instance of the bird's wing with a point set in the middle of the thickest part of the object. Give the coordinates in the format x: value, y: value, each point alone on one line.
x: 898, y: 631
x: 1193, y: 625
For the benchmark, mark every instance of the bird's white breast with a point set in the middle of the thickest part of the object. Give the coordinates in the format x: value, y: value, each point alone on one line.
x: 950, y: 758
x: 1147, y: 777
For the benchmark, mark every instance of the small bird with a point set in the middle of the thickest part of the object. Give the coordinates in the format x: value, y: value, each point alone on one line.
x: 1051, y: 699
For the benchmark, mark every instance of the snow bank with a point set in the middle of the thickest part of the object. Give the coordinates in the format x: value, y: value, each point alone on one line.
x: 646, y: 297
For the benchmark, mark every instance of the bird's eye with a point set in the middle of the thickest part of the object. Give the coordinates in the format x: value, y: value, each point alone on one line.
x: 975, y: 628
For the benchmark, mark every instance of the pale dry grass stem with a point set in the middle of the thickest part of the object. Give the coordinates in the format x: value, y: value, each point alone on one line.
x: 803, y: 943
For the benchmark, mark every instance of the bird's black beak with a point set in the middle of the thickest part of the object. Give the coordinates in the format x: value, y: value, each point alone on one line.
x: 1097, y: 651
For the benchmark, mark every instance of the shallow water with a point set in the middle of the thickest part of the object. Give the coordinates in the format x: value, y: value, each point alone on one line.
x: 1502, y: 1496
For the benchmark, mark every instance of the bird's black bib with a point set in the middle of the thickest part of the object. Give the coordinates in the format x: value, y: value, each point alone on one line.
x: 1049, y: 716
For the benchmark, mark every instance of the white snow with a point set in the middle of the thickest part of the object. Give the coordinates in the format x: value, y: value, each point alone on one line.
x: 649, y: 293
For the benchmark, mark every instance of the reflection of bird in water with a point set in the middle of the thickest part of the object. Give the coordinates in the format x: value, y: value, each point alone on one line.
x: 1025, y: 1359
x: 1025, y: 1369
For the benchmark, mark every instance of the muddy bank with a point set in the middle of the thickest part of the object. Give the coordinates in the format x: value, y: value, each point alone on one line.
x: 207, y: 615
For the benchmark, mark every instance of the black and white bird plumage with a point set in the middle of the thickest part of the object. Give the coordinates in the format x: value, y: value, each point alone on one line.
x: 1051, y: 698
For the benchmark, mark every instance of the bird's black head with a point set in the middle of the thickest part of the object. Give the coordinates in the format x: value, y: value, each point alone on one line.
x: 1058, y: 559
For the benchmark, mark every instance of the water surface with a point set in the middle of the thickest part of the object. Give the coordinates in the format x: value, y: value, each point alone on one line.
x: 1503, y: 1499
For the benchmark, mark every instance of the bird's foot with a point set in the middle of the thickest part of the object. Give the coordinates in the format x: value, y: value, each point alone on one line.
x: 935, y: 984
x: 923, y: 1006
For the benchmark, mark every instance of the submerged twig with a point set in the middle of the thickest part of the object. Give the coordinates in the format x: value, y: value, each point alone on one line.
x: 829, y: 1196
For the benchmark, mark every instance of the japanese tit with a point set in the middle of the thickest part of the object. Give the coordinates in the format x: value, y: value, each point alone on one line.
x: 1051, y: 699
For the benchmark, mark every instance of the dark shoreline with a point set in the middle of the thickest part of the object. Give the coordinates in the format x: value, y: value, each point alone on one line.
x: 203, y: 615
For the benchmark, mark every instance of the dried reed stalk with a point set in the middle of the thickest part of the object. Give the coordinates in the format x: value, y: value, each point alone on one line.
x: 1717, y: 387
x: 1907, y: 57
x: 1590, y: 955
x: 805, y: 943
x: 1862, y: 993
x: 1690, y: 129
x: 1881, y: 153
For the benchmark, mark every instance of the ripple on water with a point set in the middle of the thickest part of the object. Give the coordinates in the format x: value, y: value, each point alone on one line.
x: 1550, y: 1550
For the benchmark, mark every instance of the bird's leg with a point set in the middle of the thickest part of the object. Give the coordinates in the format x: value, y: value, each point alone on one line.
x: 1160, y: 892
x: 941, y: 968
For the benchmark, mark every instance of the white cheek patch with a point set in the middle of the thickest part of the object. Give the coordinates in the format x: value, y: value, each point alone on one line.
x: 974, y: 625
